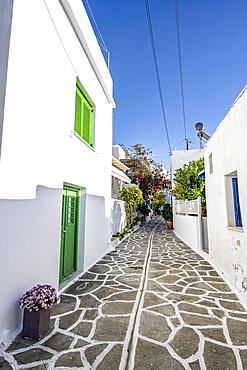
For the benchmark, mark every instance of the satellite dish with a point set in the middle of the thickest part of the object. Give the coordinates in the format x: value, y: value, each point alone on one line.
x: 199, y: 126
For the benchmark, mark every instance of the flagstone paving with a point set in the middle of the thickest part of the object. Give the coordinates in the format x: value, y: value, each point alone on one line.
x: 152, y: 303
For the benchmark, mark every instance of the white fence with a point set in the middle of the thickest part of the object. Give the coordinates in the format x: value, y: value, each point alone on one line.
x: 189, y: 225
x: 188, y: 207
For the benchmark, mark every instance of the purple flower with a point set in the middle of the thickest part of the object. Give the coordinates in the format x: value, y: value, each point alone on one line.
x: 40, y: 296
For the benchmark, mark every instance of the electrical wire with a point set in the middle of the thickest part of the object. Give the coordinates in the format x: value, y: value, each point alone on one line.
x: 102, y: 42
x: 150, y: 27
x: 180, y: 67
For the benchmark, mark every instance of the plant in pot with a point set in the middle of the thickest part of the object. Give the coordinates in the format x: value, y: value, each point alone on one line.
x: 37, y: 303
x: 168, y: 215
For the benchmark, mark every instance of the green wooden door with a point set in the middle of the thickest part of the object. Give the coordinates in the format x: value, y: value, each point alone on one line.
x: 68, y: 255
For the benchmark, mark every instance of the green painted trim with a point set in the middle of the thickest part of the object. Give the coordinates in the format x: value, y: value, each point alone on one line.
x: 76, y: 189
x: 86, y: 101
x: 84, y: 92
x: 69, y: 186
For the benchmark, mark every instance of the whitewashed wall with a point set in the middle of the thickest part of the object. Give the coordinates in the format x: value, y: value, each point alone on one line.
x: 186, y: 228
x: 39, y: 147
x: 228, y: 146
x: 30, y: 246
x: 38, y: 141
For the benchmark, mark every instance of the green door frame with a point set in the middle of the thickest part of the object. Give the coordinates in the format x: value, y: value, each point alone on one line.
x: 76, y: 189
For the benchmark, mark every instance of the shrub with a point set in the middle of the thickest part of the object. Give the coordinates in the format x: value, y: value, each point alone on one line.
x: 188, y: 184
x: 132, y: 196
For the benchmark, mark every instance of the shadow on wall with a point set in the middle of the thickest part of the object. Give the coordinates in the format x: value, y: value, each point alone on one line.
x: 97, y: 229
x: 118, y: 221
x: 29, y: 250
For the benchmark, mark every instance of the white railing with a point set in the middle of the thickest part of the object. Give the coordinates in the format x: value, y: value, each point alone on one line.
x: 188, y: 207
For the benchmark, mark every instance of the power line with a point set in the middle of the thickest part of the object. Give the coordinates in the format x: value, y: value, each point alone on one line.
x: 102, y: 42
x: 187, y: 141
x: 150, y: 27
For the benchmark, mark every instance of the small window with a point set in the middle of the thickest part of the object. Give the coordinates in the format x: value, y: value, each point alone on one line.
x: 233, y: 202
x: 210, y: 158
x: 84, y: 117
x: 236, y: 204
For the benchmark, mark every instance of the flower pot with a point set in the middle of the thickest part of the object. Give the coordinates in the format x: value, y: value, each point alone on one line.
x: 204, y: 212
x: 169, y: 225
x: 35, y: 323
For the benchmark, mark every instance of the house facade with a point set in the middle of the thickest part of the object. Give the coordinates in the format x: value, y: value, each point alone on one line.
x: 226, y: 184
x: 224, y: 228
x: 55, y: 149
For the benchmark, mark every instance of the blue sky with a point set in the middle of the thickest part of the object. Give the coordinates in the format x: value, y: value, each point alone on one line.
x: 214, y: 49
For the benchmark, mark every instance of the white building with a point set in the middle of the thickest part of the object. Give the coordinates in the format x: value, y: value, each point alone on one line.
x: 119, y: 179
x: 56, y: 149
x: 226, y: 184
x: 119, y: 151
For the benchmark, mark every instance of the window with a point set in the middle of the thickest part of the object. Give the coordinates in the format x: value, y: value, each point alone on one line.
x: 84, y: 117
x: 233, y: 202
x: 210, y: 163
x: 236, y: 204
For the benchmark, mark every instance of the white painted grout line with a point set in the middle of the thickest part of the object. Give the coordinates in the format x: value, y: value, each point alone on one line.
x: 207, y: 257
x: 132, y: 333
x: 140, y: 248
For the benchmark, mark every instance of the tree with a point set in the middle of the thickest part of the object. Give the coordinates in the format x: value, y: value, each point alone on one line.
x: 145, y: 172
x: 132, y: 197
x: 188, y: 184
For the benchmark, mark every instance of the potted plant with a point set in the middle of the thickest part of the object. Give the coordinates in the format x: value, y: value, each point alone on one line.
x: 37, y: 303
x: 168, y: 216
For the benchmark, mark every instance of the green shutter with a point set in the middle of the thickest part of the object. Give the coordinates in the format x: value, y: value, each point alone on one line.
x: 86, y: 122
x: 78, y: 115
x: 83, y: 117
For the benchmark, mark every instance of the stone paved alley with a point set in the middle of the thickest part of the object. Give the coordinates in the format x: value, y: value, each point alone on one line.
x: 152, y: 303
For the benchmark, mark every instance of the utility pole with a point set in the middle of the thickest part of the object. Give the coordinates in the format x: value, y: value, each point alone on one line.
x: 187, y: 143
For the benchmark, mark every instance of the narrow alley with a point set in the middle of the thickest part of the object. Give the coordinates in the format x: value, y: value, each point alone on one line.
x: 152, y: 303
